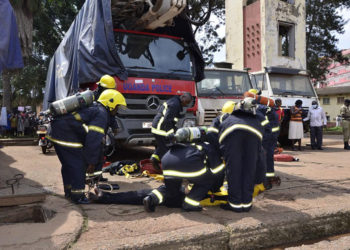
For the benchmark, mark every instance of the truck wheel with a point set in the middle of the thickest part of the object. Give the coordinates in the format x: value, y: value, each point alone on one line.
x: 43, y: 148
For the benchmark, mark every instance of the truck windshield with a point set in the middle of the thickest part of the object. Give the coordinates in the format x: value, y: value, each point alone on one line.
x: 223, y: 83
x: 291, y: 85
x: 157, y: 56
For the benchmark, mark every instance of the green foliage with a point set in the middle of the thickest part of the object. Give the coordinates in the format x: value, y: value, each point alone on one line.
x: 51, y: 21
x: 207, y: 35
x: 323, y: 22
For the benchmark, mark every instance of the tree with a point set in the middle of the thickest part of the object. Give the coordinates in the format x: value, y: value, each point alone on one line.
x: 24, y: 10
x: 322, y: 23
x: 40, y: 35
x: 207, y: 35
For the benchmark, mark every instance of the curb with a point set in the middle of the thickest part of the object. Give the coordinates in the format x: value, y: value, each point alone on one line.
x: 291, y: 231
x: 19, y: 142
x: 265, y: 235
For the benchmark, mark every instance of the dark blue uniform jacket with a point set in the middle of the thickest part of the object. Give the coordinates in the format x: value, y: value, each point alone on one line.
x: 84, y: 128
x: 164, y: 122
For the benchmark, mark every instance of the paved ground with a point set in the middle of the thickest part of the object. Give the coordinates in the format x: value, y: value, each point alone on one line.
x: 312, y: 202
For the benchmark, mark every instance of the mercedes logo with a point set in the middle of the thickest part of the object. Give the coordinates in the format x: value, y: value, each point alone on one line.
x: 152, y: 102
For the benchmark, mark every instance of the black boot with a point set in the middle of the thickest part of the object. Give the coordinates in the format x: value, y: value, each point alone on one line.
x: 79, y: 199
x: 150, y: 202
x: 228, y: 207
x: 346, y: 146
x: 188, y: 208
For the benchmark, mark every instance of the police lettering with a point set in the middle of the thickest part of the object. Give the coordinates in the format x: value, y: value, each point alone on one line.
x: 161, y: 88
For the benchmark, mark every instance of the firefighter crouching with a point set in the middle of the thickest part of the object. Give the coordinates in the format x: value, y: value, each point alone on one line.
x: 164, y: 124
x: 240, y: 137
x: 105, y: 82
x: 77, y: 139
x: 198, y: 163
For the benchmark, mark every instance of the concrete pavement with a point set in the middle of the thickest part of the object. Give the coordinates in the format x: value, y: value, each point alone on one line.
x: 312, y: 202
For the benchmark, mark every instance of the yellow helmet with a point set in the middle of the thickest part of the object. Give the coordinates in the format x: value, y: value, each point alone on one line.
x: 110, y: 98
x: 254, y: 91
x: 228, y: 107
x: 107, y: 82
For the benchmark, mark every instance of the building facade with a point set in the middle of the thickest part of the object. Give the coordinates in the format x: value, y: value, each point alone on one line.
x: 331, y: 99
x: 265, y: 33
x: 338, y: 75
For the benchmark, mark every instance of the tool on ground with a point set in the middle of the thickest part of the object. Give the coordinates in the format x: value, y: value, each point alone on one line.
x: 15, y: 180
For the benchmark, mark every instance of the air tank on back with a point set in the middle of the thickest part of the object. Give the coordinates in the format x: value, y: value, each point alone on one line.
x: 71, y: 103
x: 190, y: 134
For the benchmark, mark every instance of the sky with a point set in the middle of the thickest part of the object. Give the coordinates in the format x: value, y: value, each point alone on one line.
x: 344, y: 39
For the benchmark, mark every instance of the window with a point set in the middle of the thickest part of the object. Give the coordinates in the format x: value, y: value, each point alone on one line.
x: 286, y: 39
x: 221, y: 83
x: 251, y: 1
x: 259, y: 81
x: 340, y: 100
x: 326, y: 101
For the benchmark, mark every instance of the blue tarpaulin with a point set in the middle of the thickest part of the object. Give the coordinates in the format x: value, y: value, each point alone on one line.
x: 10, y: 47
x: 86, y: 52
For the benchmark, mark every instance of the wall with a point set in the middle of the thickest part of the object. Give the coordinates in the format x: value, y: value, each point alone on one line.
x: 252, y: 36
x: 234, y: 33
x: 272, y: 12
x: 333, y: 109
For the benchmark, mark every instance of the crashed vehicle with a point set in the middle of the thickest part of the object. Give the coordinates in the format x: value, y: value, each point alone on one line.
x: 147, y: 46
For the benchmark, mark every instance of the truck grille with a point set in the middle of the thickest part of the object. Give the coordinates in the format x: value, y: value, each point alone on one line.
x: 209, y: 115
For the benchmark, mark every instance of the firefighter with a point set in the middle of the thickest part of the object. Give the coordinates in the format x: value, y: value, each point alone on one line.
x: 198, y: 163
x: 240, y: 137
x: 213, y: 130
x: 164, y: 124
x: 269, y: 143
x: 77, y: 139
x: 105, y: 82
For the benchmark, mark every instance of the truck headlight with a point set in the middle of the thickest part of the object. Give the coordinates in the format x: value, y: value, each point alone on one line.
x: 189, y: 123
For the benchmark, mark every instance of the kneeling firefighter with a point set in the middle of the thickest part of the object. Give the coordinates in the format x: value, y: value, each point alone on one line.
x: 197, y: 162
x: 240, y: 137
x: 77, y: 139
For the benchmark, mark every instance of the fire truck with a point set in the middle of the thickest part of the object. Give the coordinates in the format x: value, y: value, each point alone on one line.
x: 147, y: 46
x: 221, y: 84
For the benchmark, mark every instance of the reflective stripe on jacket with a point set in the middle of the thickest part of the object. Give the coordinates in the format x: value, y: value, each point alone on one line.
x: 164, y: 122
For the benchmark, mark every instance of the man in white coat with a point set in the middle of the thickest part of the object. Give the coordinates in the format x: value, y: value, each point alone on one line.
x: 317, y: 119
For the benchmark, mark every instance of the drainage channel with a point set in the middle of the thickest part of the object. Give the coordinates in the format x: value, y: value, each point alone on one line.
x: 25, y: 214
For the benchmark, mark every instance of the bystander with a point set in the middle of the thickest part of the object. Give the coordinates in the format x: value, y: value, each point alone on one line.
x: 317, y: 119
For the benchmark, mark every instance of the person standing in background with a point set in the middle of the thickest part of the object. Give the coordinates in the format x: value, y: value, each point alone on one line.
x: 296, y: 129
x: 279, y: 110
x: 345, y: 114
x: 317, y: 119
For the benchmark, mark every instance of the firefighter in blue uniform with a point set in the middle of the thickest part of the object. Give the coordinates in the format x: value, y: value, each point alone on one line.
x: 164, y: 124
x: 213, y: 130
x: 105, y: 82
x: 198, y: 163
x: 77, y: 139
x: 269, y: 143
x: 240, y: 137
